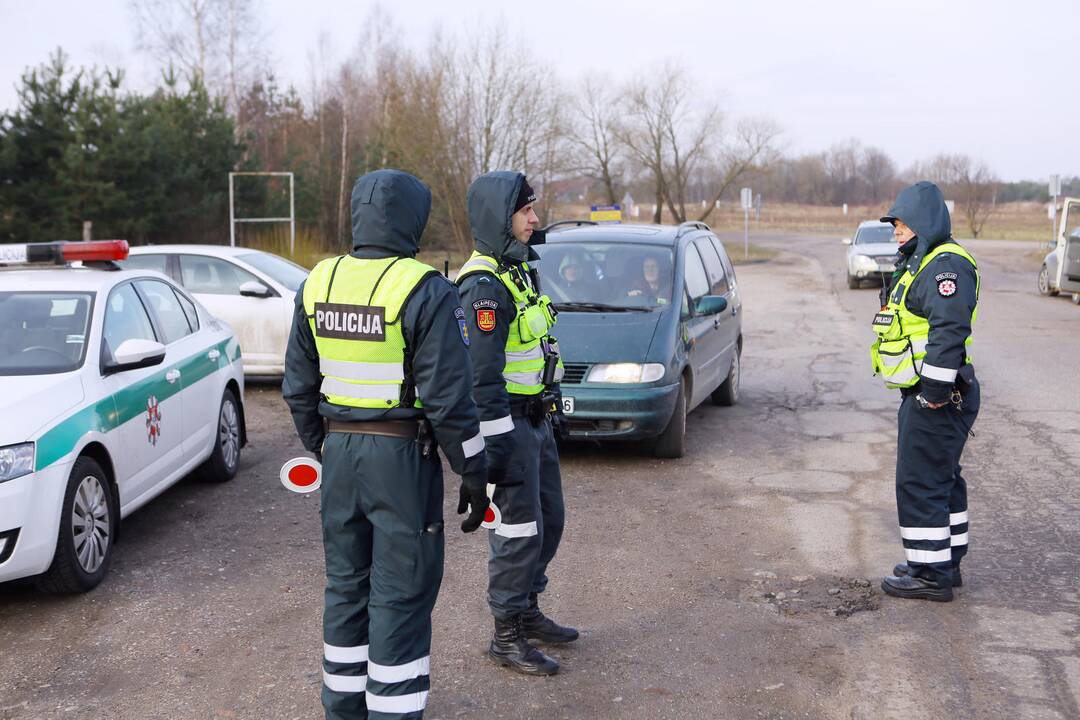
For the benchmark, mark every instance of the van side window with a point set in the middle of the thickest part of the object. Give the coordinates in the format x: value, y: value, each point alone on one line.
x: 725, y: 259
x: 697, y: 284
x: 718, y: 284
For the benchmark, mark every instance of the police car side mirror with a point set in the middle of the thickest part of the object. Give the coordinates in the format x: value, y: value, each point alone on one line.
x: 710, y: 305
x: 254, y: 288
x: 133, y: 354
x: 846, y: 241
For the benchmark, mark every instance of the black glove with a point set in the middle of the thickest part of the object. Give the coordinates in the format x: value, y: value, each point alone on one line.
x: 472, y: 500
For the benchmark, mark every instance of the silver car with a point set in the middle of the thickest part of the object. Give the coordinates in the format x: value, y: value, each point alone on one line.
x: 872, y: 255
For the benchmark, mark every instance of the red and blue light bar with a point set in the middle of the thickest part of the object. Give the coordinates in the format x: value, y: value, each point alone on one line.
x: 59, y: 253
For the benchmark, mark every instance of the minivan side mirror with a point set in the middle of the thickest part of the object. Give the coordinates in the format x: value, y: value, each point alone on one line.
x: 710, y: 305
x: 846, y: 241
x: 135, y: 353
x: 254, y: 288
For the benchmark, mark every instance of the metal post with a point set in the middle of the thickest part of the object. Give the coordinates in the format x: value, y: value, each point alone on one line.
x: 292, y: 216
x: 746, y: 233
x: 232, y: 215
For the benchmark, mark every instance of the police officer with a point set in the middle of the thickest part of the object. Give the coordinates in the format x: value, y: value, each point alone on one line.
x: 376, y: 372
x: 924, y: 349
x: 516, y: 370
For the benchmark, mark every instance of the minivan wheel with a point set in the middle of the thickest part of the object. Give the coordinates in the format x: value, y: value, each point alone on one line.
x: 223, y: 461
x: 853, y: 282
x: 672, y: 442
x: 88, y: 523
x: 1044, y: 283
x: 728, y: 392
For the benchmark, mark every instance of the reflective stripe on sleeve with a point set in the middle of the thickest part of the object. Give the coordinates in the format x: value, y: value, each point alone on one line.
x: 473, y: 446
x: 933, y: 372
x: 958, y: 518
x: 958, y: 539
x: 915, y: 533
x: 399, y: 673
x: 371, y: 372
x: 338, y: 654
x: 397, y: 704
x: 345, y: 683
x: 333, y: 386
x: 927, y: 556
x: 516, y: 531
x: 496, y: 427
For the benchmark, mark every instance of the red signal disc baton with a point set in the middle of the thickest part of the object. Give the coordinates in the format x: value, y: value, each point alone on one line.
x: 301, y: 475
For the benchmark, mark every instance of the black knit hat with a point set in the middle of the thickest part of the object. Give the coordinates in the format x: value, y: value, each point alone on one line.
x: 526, y: 196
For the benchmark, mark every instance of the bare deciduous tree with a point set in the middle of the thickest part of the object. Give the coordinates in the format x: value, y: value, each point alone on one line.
x: 593, y: 137
x: 753, y: 146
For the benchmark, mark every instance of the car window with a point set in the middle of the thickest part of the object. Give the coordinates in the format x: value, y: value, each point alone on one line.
x: 725, y: 259
x: 174, y: 323
x: 287, y: 273
x: 607, y: 275
x: 125, y: 319
x: 146, y: 262
x: 696, y: 282
x: 43, y: 332
x: 189, y: 310
x: 874, y: 234
x: 718, y: 284
x: 214, y: 276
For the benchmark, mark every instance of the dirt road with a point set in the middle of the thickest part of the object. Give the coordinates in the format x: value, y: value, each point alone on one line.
x: 738, y: 582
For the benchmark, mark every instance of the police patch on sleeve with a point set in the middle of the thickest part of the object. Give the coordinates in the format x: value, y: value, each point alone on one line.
x: 946, y: 287
x: 485, y: 303
x: 459, y: 315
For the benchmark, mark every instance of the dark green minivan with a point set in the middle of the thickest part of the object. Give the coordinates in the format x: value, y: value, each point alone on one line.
x: 649, y: 327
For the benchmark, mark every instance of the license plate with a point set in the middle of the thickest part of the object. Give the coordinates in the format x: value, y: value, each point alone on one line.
x: 568, y: 405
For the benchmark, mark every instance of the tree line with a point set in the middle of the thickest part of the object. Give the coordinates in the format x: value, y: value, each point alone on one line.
x: 153, y: 166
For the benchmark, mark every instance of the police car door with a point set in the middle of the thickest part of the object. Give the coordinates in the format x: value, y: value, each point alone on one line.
x: 147, y: 441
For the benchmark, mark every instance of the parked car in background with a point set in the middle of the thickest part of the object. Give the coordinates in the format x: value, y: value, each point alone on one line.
x: 113, y: 386
x: 649, y: 327
x: 251, y: 290
x: 872, y: 253
x: 1060, y: 270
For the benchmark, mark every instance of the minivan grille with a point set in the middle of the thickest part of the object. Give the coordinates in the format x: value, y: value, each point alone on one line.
x: 574, y: 373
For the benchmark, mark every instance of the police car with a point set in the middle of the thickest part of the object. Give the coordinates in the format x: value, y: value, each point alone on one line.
x: 114, y: 384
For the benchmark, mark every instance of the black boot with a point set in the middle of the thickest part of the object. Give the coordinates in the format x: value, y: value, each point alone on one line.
x: 915, y: 588
x: 543, y: 629
x: 957, y: 579
x: 510, y: 649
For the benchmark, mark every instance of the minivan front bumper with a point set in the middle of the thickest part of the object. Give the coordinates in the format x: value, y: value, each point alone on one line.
x: 614, y: 412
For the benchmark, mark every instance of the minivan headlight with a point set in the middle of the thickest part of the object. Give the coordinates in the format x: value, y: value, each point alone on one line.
x: 625, y: 372
x: 16, y: 461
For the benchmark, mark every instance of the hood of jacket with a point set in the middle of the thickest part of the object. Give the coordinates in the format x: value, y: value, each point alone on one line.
x: 491, y: 201
x: 389, y: 212
x: 922, y: 208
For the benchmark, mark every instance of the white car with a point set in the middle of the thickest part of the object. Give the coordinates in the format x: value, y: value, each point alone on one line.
x: 872, y: 255
x: 251, y: 290
x: 113, y: 385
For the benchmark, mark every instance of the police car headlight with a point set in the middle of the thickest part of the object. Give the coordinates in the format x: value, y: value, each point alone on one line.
x: 864, y: 262
x: 16, y: 461
x: 625, y: 372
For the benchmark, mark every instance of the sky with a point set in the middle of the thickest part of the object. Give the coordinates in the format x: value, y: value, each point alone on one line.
x: 988, y: 78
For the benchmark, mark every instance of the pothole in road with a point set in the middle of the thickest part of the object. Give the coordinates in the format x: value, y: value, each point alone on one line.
x: 806, y: 480
x: 804, y: 594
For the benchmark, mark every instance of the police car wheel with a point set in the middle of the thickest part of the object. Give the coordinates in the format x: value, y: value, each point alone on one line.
x: 1044, y: 283
x: 728, y: 392
x: 1076, y: 298
x: 225, y: 458
x: 672, y: 442
x: 88, y: 524
x: 853, y: 282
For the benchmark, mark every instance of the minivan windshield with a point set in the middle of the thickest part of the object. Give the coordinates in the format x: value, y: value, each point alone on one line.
x: 876, y: 234
x: 606, y: 276
x: 281, y: 270
x: 42, y: 333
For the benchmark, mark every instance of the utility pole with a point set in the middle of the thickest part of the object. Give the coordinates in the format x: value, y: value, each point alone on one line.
x: 747, y: 197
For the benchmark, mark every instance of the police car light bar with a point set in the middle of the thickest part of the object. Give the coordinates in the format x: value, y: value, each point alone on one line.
x: 58, y: 253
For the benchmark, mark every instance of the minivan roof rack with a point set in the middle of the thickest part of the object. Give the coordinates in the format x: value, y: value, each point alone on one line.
x: 685, y: 227
x: 560, y: 223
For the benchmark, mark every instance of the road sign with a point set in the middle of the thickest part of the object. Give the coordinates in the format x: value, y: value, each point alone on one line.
x: 1055, y: 185
x: 606, y: 213
x: 747, y: 198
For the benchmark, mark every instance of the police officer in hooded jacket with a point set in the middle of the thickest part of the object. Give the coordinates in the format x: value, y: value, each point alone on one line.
x: 516, y: 369
x: 923, y: 348
x: 376, y: 373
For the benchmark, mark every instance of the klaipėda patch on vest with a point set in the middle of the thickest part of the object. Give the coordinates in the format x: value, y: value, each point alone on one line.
x: 350, y: 322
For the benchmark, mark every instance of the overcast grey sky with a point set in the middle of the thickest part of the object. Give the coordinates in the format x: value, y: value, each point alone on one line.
x: 992, y: 78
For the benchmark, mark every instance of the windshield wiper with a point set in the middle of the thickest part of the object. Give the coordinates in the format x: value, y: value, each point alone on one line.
x: 597, y: 307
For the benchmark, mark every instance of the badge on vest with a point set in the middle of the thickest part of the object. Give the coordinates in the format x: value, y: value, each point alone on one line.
x: 883, y: 319
x: 350, y: 322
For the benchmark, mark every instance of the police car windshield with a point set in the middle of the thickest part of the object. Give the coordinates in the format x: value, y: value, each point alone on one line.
x: 606, y: 277
x: 42, y: 333
x: 288, y: 274
x: 877, y: 234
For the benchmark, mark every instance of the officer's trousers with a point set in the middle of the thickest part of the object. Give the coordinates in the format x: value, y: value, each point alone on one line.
x: 532, y: 520
x: 931, y: 494
x: 383, y: 538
